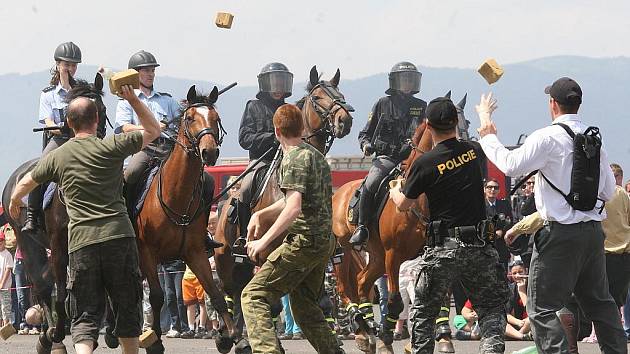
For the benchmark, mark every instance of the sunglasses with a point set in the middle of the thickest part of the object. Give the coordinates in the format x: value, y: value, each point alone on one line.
x: 492, y: 187
x: 531, y: 183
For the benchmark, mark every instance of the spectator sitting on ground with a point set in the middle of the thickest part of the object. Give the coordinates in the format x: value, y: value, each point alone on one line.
x: 467, y: 325
x: 518, y: 326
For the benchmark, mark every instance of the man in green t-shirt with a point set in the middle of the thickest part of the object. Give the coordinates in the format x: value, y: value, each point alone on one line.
x: 103, y: 257
x: 297, y: 267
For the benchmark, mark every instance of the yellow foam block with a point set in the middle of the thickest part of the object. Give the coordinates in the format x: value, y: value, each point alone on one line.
x: 491, y: 71
x: 224, y: 20
x: 127, y: 77
x: 7, y: 331
x: 148, y: 338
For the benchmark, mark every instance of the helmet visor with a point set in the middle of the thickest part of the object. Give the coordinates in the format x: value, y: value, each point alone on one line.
x: 276, y: 81
x: 406, y: 81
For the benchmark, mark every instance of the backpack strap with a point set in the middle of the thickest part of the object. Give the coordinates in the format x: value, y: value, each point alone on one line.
x: 567, y: 129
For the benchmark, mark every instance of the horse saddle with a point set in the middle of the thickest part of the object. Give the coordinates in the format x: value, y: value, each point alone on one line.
x: 380, y: 198
x: 49, y: 195
x: 258, y: 184
x: 135, y: 198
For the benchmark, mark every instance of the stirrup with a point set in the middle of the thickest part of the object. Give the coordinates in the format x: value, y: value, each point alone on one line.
x: 360, y: 237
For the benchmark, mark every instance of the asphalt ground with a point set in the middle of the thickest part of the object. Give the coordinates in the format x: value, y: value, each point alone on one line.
x: 26, y: 344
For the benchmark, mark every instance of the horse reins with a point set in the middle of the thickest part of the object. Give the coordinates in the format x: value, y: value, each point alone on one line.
x: 326, y: 113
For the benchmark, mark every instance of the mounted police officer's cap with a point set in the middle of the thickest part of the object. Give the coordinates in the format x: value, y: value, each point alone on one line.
x: 565, y: 91
x: 142, y: 59
x: 442, y: 113
x: 69, y: 52
x: 404, y: 77
x: 275, y: 77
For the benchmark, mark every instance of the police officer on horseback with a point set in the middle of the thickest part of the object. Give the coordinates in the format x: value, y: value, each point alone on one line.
x: 391, y: 122
x: 52, y: 106
x: 164, y: 108
x: 256, y: 133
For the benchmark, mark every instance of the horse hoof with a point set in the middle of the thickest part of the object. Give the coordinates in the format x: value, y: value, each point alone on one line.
x: 43, y: 345
x: 155, y: 348
x: 242, y: 347
x: 373, y: 344
x: 58, y: 348
x: 445, y: 346
x: 111, y: 341
x: 383, y: 348
x: 223, y: 343
x: 363, y: 342
x: 408, y: 348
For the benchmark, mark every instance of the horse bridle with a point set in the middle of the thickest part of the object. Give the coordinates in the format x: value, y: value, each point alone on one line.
x: 327, y: 113
x: 195, y: 139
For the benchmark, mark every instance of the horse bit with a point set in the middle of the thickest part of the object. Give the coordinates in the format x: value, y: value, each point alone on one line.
x: 326, y: 114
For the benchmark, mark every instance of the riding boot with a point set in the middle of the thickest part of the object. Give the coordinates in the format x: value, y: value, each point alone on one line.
x: 362, y: 234
x: 33, y: 210
x: 211, y: 244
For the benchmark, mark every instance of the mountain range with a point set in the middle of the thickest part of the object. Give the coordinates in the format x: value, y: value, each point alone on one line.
x: 523, y: 106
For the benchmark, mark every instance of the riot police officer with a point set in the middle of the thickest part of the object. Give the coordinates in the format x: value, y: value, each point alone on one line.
x: 163, y: 106
x: 256, y: 133
x: 459, y: 238
x: 391, y: 122
x: 52, y: 106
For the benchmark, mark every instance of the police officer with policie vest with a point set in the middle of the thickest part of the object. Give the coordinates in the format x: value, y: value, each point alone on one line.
x: 391, y: 122
x: 459, y: 238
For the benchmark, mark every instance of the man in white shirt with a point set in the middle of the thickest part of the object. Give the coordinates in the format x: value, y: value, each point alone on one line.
x: 569, y: 251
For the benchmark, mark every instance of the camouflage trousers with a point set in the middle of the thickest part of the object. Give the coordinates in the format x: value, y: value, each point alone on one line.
x: 484, y: 281
x: 296, y: 268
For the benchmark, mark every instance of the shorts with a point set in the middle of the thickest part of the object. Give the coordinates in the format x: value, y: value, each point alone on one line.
x: 95, y: 271
x: 192, y: 292
x: 5, y: 303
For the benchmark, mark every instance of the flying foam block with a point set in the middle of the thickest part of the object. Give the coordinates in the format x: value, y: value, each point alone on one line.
x: 224, y: 20
x: 127, y: 77
x: 490, y: 70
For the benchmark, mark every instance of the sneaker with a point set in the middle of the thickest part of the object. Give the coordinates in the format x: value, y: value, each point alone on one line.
x: 528, y: 336
x: 172, y: 334
x: 188, y: 335
x: 200, y: 333
x: 210, y: 334
x: 23, y: 331
x: 285, y: 336
x: 298, y: 336
x: 34, y: 331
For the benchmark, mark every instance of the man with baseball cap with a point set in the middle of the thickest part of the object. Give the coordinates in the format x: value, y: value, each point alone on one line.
x: 459, y: 238
x: 568, y: 252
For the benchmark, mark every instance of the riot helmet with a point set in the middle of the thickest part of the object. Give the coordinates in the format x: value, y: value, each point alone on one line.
x: 404, y: 77
x: 275, y: 77
x: 142, y: 59
x: 69, y: 52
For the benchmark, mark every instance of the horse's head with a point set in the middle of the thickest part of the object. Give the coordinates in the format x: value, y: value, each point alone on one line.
x: 332, y: 113
x: 93, y: 91
x: 201, y: 126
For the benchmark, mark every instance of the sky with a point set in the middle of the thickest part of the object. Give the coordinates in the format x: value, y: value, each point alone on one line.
x: 360, y: 37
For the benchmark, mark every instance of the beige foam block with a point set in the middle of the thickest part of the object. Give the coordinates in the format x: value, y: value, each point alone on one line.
x: 224, y: 20
x: 7, y: 331
x: 148, y: 338
x: 491, y: 71
x: 395, y: 182
x: 127, y: 77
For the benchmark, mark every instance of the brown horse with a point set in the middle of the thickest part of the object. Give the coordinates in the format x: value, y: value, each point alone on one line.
x: 326, y: 117
x: 395, y: 237
x: 44, y: 272
x: 172, y: 223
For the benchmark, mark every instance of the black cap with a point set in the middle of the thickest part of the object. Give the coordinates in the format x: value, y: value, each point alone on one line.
x: 442, y: 113
x: 565, y: 91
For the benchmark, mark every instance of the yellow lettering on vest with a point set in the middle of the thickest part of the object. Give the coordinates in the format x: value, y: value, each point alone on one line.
x: 472, y: 154
x: 450, y: 165
x: 460, y: 161
x: 465, y: 157
x: 441, y: 167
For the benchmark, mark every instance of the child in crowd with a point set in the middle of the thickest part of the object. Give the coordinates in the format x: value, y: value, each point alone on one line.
x: 6, y: 268
x: 194, y: 297
x: 467, y: 325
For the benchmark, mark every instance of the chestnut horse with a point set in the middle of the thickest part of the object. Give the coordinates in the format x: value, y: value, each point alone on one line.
x: 326, y: 117
x: 394, y: 238
x: 42, y: 271
x: 172, y: 223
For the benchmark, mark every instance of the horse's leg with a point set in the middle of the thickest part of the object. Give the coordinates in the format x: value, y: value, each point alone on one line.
x: 443, y: 333
x: 148, y: 265
x: 375, y: 268
x: 394, y: 301
x: 197, y: 260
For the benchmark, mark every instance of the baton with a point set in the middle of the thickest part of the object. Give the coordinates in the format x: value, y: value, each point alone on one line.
x: 35, y: 130
x: 228, y: 87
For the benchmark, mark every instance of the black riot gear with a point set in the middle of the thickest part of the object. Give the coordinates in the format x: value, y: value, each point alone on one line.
x: 142, y: 59
x: 69, y: 52
x: 404, y: 77
x: 275, y: 77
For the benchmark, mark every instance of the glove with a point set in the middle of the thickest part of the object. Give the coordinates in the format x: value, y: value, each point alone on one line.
x: 368, y: 149
x: 405, y: 150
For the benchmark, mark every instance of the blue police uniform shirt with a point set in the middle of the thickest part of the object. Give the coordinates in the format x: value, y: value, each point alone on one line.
x: 52, y: 103
x: 163, y: 107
